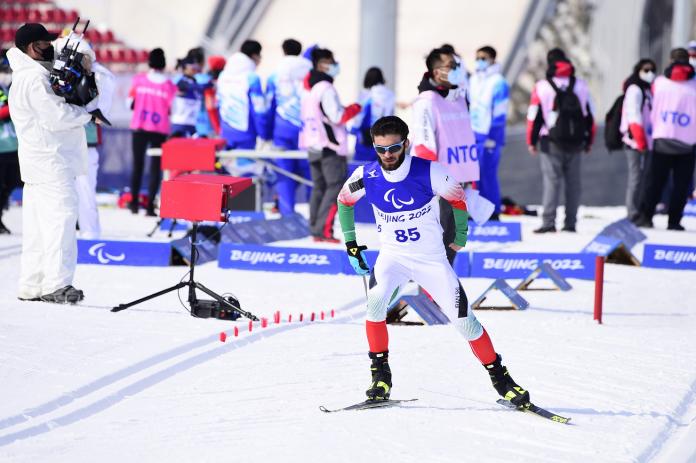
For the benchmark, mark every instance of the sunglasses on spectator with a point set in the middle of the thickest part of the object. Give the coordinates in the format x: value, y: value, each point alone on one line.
x: 393, y: 149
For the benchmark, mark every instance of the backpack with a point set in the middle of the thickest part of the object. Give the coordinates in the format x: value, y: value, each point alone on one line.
x: 613, y: 138
x: 570, y: 126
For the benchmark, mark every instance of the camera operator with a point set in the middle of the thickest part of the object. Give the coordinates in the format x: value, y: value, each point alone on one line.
x: 52, y: 153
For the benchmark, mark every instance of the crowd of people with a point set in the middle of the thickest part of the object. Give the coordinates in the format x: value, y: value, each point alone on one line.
x: 458, y: 120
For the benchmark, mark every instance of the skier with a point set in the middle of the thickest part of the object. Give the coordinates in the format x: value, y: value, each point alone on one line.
x: 404, y: 191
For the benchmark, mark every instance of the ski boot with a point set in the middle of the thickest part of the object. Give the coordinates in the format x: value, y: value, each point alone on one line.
x: 380, y: 388
x: 505, y: 385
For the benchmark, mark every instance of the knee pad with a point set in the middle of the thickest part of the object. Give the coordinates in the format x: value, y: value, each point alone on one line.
x: 469, y: 327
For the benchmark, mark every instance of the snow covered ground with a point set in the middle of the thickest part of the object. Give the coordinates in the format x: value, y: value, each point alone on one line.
x: 153, y: 384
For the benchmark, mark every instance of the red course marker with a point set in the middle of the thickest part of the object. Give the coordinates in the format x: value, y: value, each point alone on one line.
x: 332, y: 313
x: 321, y: 315
x: 236, y: 331
x: 251, y: 325
x: 311, y: 317
x: 301, y: 317
x: 223, y: 336
x: 264, y: 323
x: 290, y: 318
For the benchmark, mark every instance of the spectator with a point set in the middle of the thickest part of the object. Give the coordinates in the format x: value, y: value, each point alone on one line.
x: 188, y: 101
x: 464, y: 75
x: 636, y: 129
x: 674, y: 134
x: 377, y: 101
x: 283, y: 99
x: 489, y: 93
x: 324, y: 136
x: 9, y: 163
x: 560, y: 119
x: 242, y: 104
x: 442, y: 131
x: 692, y: 53
x: 208, y: 124
x: 151, y: 97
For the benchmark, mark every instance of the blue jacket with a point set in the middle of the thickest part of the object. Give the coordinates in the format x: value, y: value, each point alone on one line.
x: 242, y: 103
x: 489, y: 95
x: 283, y: 97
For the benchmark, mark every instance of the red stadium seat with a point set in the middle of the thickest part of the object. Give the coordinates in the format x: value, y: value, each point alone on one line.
x: 34, y: 16
x: 130, y: 56
x: 120, y: 56
x: 108, y: 56
x: 21, y: 15
x: 60, y: 16
x: 108, y: 36
x: 72, y: 16
x: 143, y: 56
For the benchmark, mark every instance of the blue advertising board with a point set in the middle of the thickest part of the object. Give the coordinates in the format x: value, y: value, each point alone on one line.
x: 667, y: 256
x: 518, y: 265
x: 138, y: 253
x: 277, y: 259
x: 502, y: 232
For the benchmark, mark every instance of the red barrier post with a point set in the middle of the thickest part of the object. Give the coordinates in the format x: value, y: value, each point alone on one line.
x: 599, y: 288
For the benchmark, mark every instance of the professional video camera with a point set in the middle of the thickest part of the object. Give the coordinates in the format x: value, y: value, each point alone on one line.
x: 70, y: 79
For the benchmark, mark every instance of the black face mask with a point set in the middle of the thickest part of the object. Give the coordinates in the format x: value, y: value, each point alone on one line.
x: 47, y: 54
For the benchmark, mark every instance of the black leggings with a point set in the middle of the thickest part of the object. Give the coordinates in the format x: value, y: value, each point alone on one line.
x: 143, y: 140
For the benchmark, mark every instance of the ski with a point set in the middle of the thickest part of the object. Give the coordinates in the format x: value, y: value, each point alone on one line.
x: 531, y: 408
x: 366, y: 405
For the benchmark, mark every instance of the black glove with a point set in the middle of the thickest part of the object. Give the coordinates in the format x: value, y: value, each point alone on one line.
x: 356, y: 257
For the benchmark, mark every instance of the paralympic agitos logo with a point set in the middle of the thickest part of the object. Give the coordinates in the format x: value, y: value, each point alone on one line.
x: 390, y: 197
x: 104, y: 257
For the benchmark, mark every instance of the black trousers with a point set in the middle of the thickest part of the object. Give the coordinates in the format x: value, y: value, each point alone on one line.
x: 681, y: 166
x: 143, y: 140
x: 9, y: 177
x: 328, y: 171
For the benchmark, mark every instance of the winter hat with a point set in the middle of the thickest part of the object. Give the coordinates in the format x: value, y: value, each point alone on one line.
x: 555, y: 54
x: 156, y: 59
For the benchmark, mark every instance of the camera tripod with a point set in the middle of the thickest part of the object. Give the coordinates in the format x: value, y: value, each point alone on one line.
x: 225, y: 308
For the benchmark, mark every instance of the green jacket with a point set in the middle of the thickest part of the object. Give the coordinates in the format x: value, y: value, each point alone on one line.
x: 8, y: 137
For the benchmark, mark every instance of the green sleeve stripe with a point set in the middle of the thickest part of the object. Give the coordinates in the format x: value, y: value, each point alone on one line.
x: 346, y: 216
x: 461, y: 220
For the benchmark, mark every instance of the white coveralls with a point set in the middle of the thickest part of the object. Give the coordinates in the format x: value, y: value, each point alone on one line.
x: 88, y: 214
x: 52, y: 152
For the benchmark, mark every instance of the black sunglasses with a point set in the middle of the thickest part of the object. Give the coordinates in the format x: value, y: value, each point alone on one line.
x: 395, y: 148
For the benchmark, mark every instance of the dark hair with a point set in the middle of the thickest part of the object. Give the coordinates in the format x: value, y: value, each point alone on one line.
x: 251, y: 48
x: 490, y: 51
x: 679, y: 55
x: 292, y: 47
x: 156, y: 59
x: 555, y: 54
x: 389, y: 125
x: 643, y: 61
x: 448, y: 48
x: 319, y: 54
x: 435, y: 56
x: 197, y: 55
x: 373, y: 77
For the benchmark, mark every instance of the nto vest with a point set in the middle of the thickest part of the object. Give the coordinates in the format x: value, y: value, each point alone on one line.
x: 152, y: 102
x: 407, y: 212
x: 674, y: 110
x: 456, y: 144
x: 318, y: 132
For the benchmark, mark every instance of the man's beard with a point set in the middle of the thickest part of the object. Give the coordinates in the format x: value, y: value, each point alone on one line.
x: 395, y: 166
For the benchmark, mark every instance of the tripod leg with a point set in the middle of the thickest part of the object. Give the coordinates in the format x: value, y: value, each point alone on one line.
x: 152, y: 232
x: 225, y: 302
x: 120, y: 307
